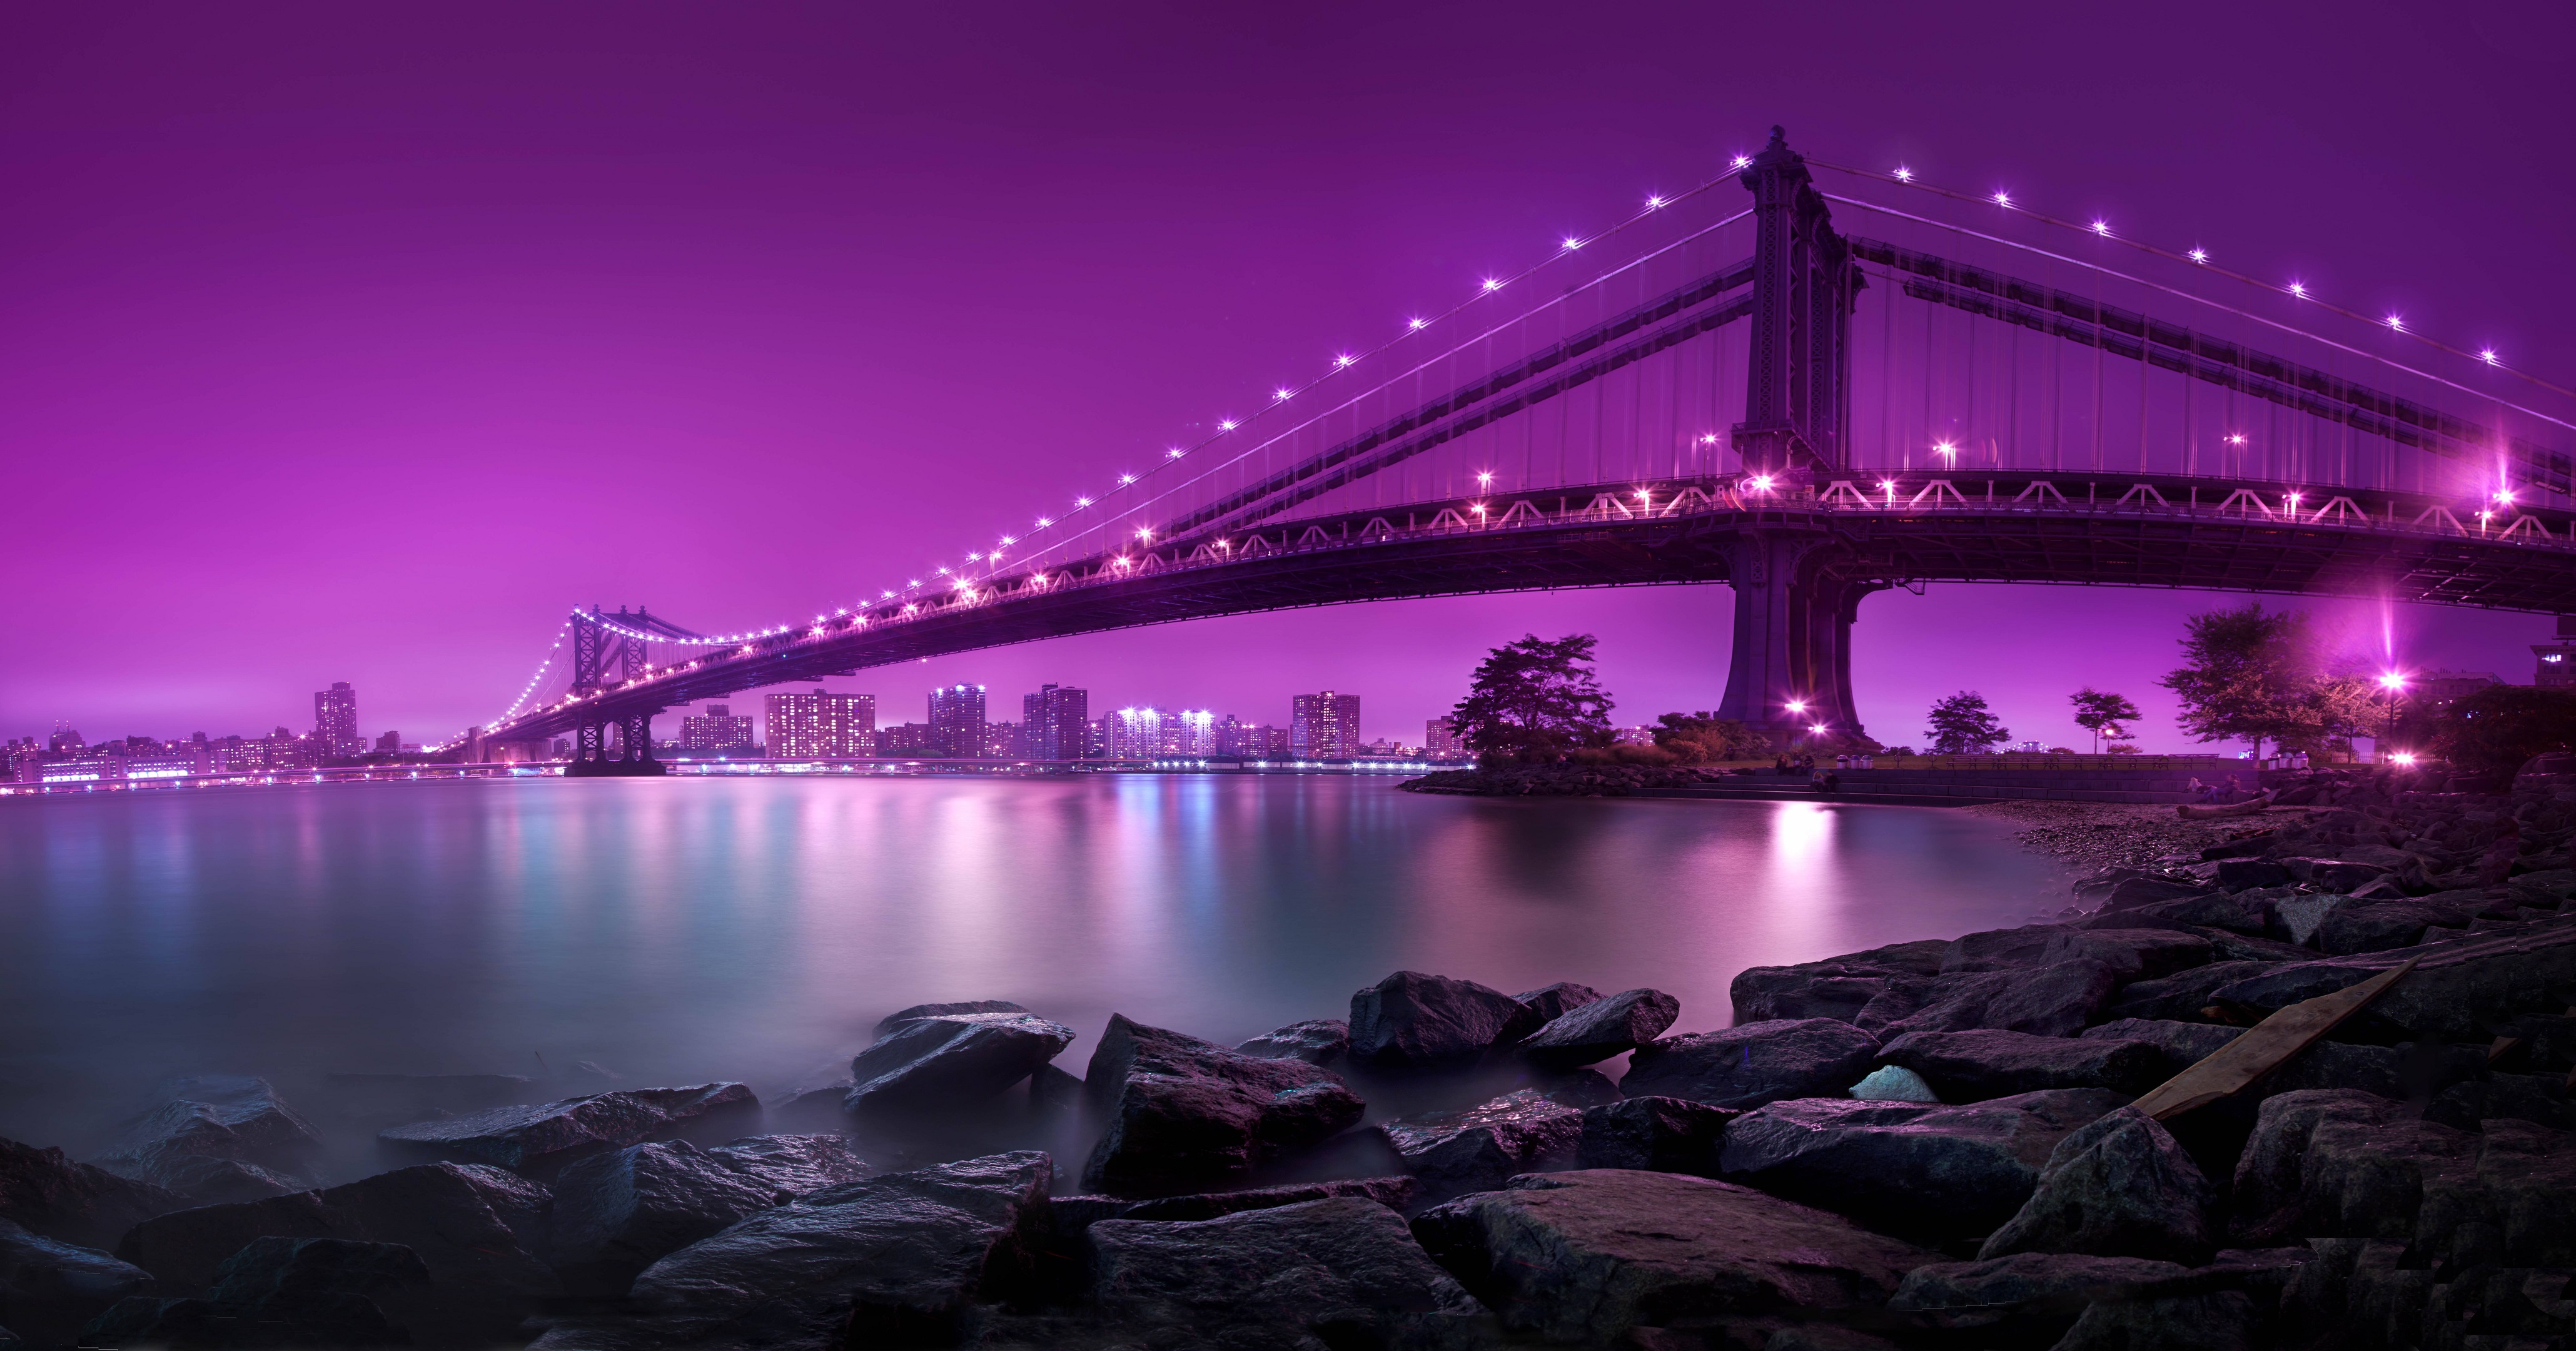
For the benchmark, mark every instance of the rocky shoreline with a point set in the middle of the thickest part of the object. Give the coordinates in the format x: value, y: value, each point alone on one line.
x: 1951, y: 1143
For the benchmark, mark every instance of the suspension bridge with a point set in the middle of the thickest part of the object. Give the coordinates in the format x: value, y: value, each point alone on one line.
x: 1810, y: 397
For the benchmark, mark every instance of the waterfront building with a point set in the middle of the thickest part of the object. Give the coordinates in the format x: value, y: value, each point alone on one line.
x: 2433, y: 689
x: 1005, y: 741
x: 1096, y: 746
x: 2557, y: 659
x: 1440, y: 737
x: 1137, y: 733
x: 716, y: 732
x: 1055, y: 723
x: 905, y: 739
x: 1324, y: 726
x: 335, y: 722
x: 957, y: 729
x: 1193, y: 734
x: 389, y: 744
x: 819, y: 724
x: 1639, y: 735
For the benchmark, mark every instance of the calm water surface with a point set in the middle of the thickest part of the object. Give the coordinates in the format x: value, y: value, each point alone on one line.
x: 755, y: 929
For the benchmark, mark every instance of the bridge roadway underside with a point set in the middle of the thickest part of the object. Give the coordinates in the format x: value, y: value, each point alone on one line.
x: 1798, y: 574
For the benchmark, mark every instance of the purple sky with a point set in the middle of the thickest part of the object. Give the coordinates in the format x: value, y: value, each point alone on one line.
x: 355, y: 343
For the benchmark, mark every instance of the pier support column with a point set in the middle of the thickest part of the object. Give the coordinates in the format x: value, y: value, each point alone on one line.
x: 1790, y: 670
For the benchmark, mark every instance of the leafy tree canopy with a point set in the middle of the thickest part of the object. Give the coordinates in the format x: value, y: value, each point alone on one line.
x: 1702, y: 739
x: 2253, y: 675
x: 2493, y: 730
x: 2105, y: 715
x: 1963, y: 725
x: 1535, y: 699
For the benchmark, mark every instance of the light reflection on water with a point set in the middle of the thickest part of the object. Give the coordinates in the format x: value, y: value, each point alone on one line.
x: 682, y: 930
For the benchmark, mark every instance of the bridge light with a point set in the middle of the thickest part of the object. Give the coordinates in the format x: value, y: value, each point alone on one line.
x: 1145, y: 533
x: 1125, y: 479
x: 2101, y: 227
x: 1045, y: 521
x: 974, y: 558
x: 2398, y: 322
x: 1415, y: 323
x: 1742, y: 161
x: 1493, y: 283
x: 1945, y: 448
x: 2505, y: 495
x: 1573, y: 243
x: 1344, y: 359
x: 1478, y: 508
x: 1010, y: 539
x: 1762, y: 483
x: 1282, y: 393
x: 2236, y: 438
x: 2392, y: 681
x: 1225, y: 425
x: 2403, y: 757
x: 1904, y: 175
x: 1175, y: 453
x: 1484, y: 478
x: 1797, y: 705
x: 2003, y: 199
x: 1652, y: 203
x: 2198, y: 255
x: 1082, y: 501
x: 1887, y: 485
x: 1709, y: 440
x: 2294, y: 498
x: 2487, y: 355
x: 2299, y: 289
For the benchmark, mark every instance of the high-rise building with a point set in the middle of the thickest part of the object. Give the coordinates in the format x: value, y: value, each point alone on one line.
x: 1056, y: 723
x: 818, y: 724
x: 1324, y: 726
x: 2558, y: 659
x: 1005, y: 741
x: 905, y: 739
x: 389, y: 743
x: 957, y: 722
x: 1195, y: 734
x: 335, y: 722
x: 717, y: 732
x: 1136, y: 733
x: 1440, y: 737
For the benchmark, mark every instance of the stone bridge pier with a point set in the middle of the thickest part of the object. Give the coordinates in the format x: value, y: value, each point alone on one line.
x: 1796, y: 594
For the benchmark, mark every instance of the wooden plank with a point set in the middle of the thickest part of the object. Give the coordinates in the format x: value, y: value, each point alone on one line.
x: 2229, y: 1069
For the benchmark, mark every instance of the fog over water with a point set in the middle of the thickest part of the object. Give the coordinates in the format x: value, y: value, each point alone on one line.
x: 682, y: 930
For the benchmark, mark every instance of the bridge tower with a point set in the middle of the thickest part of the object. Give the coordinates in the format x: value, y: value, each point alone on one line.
x: 1795, y: 597
x: 604, y: 648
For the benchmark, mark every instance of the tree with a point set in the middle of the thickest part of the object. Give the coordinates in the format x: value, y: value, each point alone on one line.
x: 1962, y: 725
x: 2257, y: 676
x: 2104, y: 715
x: 1702, y: 739
x: 1533, y: 700
x: 2493, y: 730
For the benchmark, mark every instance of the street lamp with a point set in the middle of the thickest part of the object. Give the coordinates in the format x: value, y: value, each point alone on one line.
x: 2393, y: 684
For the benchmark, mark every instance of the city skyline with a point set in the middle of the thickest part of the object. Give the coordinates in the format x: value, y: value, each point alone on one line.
x: 493, y: 323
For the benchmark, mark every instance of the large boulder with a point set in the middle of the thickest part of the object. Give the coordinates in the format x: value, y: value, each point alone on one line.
x: 2180, y: 996
x: 1476, y: 1149
x: 2055, y: 1000
x: 1184, y: 1114
x: 616, y: 1214
x: 1329, y: 1273
x: 2217, y: 1320
x: 2027, y: 1299
x: 2132, y: 954
x: 949, y: 1060
x: 1999, y: 949
x: 1551, y: 1002
x: 2415, y: 1070
x: 287, y: 1292
x: 2118, y: 1187
x: 1661, y: 1135
x: 790, y: 1166
x: 2336, y: 1162
x: 893, y: 1260
x: 1757, y: 1063
x: 540, y: 1140
x: 2459, y: 990
x: 75, y: 1202
x: 49, y: 1288
x: 214, y: 1138
x: 2190, y: 915
x: 1946, y: 1172
x: 1412, y: 1020
x: 2138, y: 891
x: 477, y: 1229
x: 1317, y: 1041
x: 899, y: 1017
x: 1985, y: 1063
x: 1073, y: 1214
x: 1582, y: 1257
x: 1595, y: 1031
x: 1837, y: 987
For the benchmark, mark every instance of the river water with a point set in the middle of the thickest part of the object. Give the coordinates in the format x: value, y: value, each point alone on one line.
x: 681, y: 930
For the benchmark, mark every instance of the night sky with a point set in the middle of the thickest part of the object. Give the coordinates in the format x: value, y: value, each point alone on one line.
x: 357, y: 342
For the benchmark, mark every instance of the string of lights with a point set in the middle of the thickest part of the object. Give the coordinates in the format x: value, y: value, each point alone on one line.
x: 2198, y: 257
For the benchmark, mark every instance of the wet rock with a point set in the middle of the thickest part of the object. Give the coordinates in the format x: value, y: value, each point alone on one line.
x: 2243, y: 874
x: 2459, y: 990
x: 49, y: 1288
x: 2222, y: 1320
x: 478, y: 1229
x: 2132, y: 954
x: 2537, y: 1098
x: 2117, y: 1187
x: 1317, y: 1041
x: 2137, y: 891
x: 215, y: 1138
x: 1948, y: 1172
x: 2335, y: 874
x: 2334, y: 1161
x: 893, y: 1260
x: 1395, y: 1193
x: 78, y: 1203
x: 1838, y: 987
x: 949, y: 1060
x: 1476, y: 1149
x: 899, y: 1017
x: 1411, y: 1020
x: 2379, y: 926
x: 1894, y: 1083
x: 540, y: 1140
x: 2024, y: 1277
x: 1602, y: 1028
x: 1185, y: 1114
x: 1747, y: 1066
x: 2181, y: 996
x: 285, y: 1292
x: 2191, y: 913
x: 789, y: 1166
x: 1582, y: 1257
x: 1555, y: 1001
x: 2178, y: 1045
x: 2414, y: 1070
x: 616, y: 1214
x: 1985, y: 1063
x: 1999, y: 949
x: 1661, y: 1135
x: 1329, y: 1273
x: 2048, y: 1001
